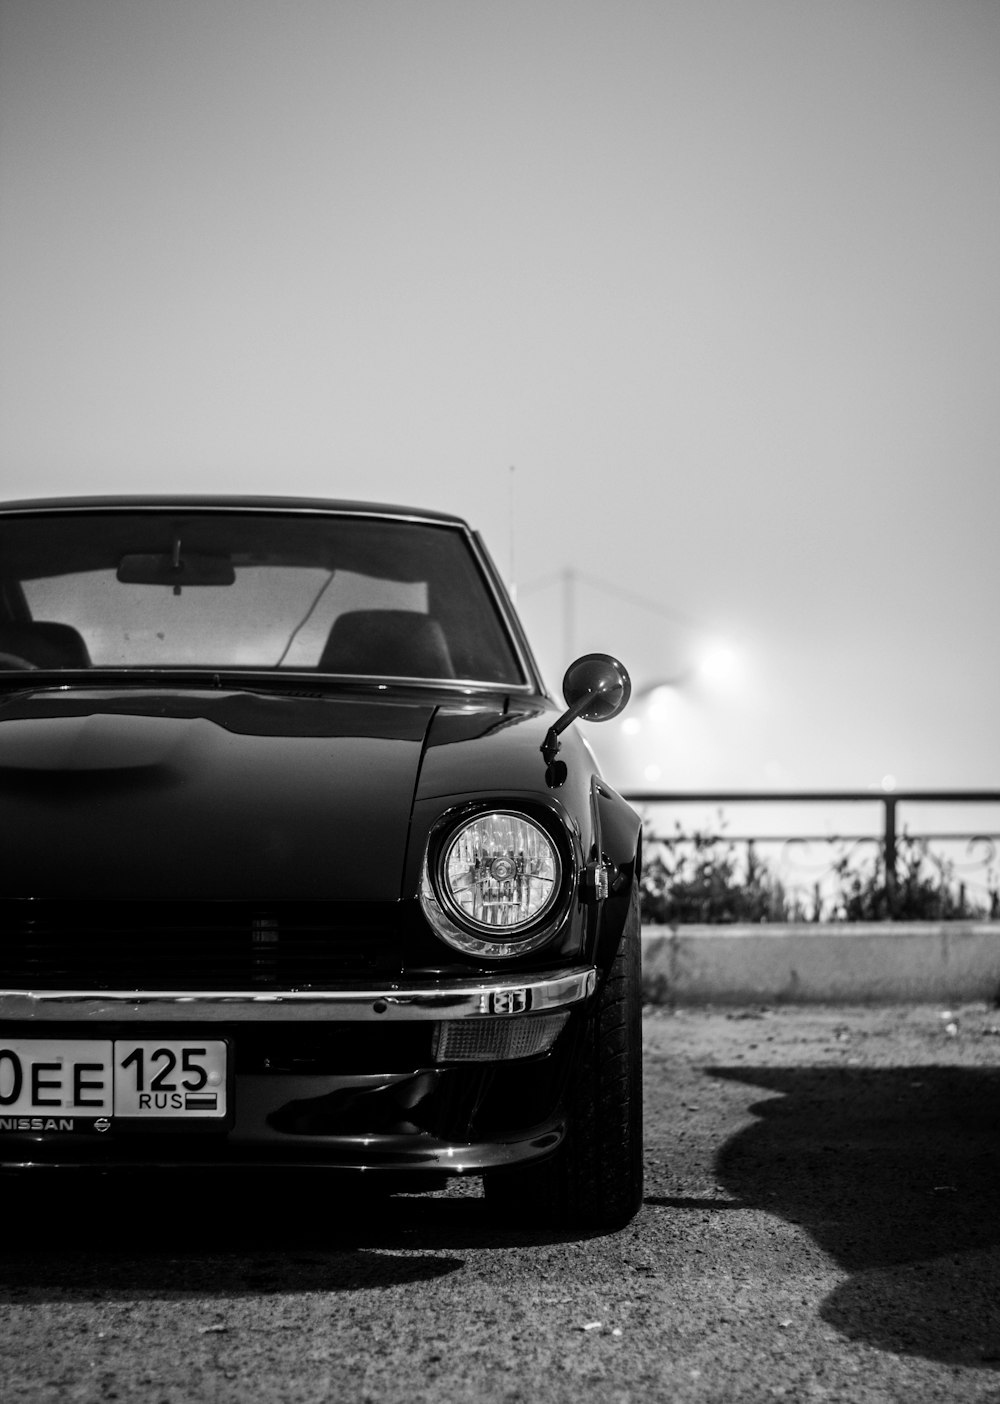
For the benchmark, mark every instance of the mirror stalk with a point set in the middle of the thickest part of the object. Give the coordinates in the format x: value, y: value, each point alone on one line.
x: 551, y: 745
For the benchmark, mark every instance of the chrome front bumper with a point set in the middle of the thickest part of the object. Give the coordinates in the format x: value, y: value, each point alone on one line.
x: 496, y: 994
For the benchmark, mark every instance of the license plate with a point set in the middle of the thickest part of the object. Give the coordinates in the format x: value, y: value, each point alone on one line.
x: 145, y: 1079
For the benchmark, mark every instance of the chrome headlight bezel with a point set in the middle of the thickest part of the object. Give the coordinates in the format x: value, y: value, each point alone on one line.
x: 463, y: 931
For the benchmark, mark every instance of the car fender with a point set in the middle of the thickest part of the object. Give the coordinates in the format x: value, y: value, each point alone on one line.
x: 618, y: 851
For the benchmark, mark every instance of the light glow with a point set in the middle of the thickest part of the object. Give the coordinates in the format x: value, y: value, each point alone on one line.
x: 720, y: 665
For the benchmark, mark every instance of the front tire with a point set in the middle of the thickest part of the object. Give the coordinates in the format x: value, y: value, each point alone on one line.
x: 594, y: 1179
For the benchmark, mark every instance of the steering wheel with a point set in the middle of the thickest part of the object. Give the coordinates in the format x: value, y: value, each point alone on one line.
x: 14, y: 660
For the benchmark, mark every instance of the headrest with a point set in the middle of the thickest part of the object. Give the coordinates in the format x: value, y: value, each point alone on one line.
x: 387, y: 643
x: 45, y: 645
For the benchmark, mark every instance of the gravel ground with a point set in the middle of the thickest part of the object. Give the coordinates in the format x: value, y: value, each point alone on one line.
x: 820, y: 1224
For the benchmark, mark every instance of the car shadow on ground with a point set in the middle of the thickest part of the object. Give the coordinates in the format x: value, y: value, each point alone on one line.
x: 81, y: 1235
x: 895, y: 1173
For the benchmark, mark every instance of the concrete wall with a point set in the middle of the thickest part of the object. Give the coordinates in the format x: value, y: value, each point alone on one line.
x: 882, y: 962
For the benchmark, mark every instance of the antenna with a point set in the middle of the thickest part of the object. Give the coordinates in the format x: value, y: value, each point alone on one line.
x: 511, y: 581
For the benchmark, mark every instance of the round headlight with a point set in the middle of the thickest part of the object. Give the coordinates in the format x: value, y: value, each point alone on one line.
x: 499, y: 873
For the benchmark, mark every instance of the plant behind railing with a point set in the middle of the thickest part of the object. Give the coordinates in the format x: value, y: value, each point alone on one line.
x: 926, y: 888
x: 698, y: 878
x: 705, y: 877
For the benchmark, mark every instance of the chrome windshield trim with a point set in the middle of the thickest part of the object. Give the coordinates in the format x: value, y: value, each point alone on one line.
x: 492, y: 995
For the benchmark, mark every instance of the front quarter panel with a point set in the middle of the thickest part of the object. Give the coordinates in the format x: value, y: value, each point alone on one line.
x: 492, y: 759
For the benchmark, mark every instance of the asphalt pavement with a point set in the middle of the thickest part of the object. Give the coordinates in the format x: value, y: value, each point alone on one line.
x: 821, y: 1224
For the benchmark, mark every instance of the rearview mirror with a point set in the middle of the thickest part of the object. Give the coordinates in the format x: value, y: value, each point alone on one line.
x: 193, y: 568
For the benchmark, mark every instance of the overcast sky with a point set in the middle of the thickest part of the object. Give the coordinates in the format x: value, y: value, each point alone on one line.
x: 719, y: 282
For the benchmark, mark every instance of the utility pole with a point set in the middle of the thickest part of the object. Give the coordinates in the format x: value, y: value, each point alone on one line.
x: 569, y: 613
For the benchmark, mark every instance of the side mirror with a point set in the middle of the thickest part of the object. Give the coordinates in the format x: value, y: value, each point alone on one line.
x: 596, y: 688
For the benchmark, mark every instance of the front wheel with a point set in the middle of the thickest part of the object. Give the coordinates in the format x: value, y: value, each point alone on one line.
x: 594, y: 1179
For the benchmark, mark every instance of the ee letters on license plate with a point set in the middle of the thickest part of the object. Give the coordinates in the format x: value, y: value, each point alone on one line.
x: 55, y: 1080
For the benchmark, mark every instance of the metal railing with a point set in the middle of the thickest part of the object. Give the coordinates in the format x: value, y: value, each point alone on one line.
x: 895, y: 842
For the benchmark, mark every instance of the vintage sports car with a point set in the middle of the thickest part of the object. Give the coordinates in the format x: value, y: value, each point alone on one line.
x: 302, y: 865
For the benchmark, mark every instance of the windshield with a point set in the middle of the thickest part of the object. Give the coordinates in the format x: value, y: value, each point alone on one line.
x: 332, y: 594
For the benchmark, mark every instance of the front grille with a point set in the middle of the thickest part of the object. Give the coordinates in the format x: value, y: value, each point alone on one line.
x: 210, y: 946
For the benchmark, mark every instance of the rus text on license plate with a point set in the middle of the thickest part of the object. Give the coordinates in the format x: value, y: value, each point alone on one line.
x: 136, y: 1078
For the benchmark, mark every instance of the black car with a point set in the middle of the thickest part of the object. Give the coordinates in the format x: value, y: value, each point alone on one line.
x: 302, y: 866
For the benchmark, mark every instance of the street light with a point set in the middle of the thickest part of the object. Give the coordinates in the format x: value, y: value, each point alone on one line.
x: 718, y: 666
x: 570, y: 580
x: 672, y: 726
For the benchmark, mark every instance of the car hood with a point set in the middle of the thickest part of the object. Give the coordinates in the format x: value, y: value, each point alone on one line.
x: 207, y: 795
